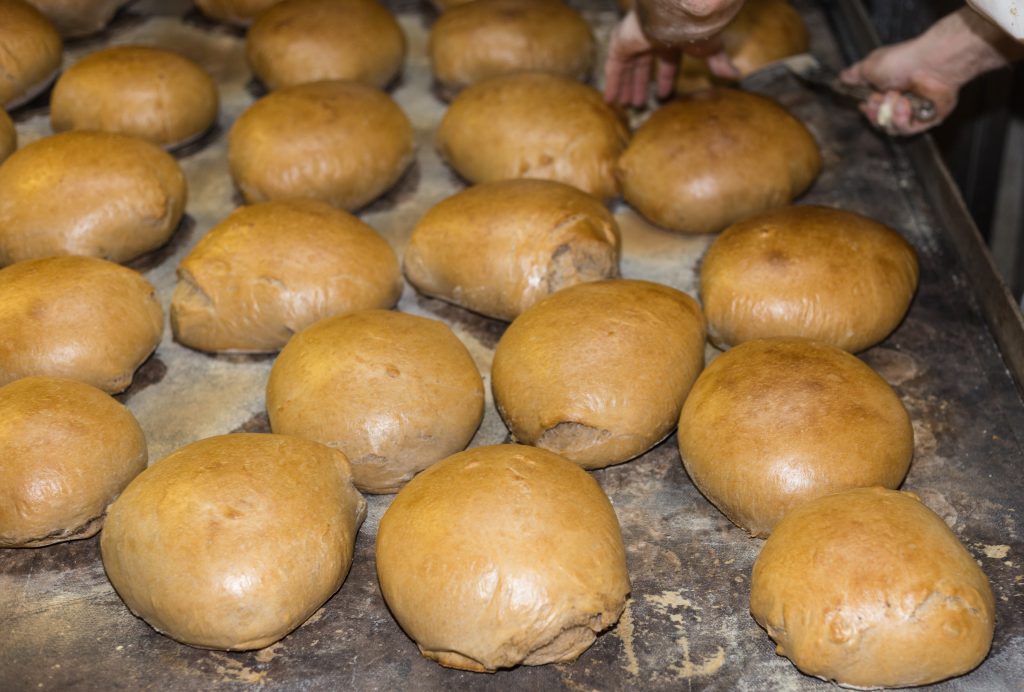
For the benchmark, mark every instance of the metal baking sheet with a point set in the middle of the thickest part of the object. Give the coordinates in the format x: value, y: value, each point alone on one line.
x: 687, y: 624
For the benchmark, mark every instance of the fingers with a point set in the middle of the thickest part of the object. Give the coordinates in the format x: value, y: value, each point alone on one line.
x: 721, y: 66
x: 667, y: 67
x: 613, y: 78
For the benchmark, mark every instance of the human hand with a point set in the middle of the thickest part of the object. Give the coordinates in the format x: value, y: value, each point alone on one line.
x: 631, y: 56
x: 891, y: 72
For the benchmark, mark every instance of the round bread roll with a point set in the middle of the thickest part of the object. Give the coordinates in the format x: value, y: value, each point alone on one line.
x: 534, y: 125
x: 343, y: 143
x: 764, y: 31
x: 240, y: 12
x: 272, y: 269
x: 716, y: 157
x: 66, y: 451
x: 498, y: 248
x: 598, y: 372
x: 302, y: 41
x: 821, y: 273
x: 233, y: 541
x: 774, y: 423
x: 77, y: 317
x: 8, y: 136
x: 869, y: 588
x: 394, y: 392
x: 119, y: 197
x: 501, y: 556
x: 30, y: 55
x: 150, y: 93
x: 487, y: 38
x: 74, y: 18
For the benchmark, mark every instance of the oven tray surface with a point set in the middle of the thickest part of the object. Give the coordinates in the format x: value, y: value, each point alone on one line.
x: 687, y: 624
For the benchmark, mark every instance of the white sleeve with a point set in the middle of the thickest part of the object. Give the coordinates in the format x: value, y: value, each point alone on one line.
x: 1008, y: 14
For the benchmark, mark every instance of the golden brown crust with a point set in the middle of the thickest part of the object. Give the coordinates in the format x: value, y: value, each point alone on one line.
x: 31, y: 52
x: 500, y: 556
x: 764, y: 31
x: 774, y: 423
x: 66, y: 451
x: 487, y: 38
x: 232, y: 542
x: 497, y: 248
x: 869, y: 588
x: 714, y: 157
x: 74, y: 18
x: 816, y: 272
x: 270, y: 270
x: 534, y: 125
x: 240, y: 12
x: 119, y: 198
x: 150, y: 93
x: 394, y: 392
x: 55, y: 315
x: 343, y: 143
x: 8, y: 136
x: 598, y: 372
x: 302, y: 41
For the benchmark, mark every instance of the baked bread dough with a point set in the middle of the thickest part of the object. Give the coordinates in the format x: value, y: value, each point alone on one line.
x: 272, y: 269
x: 774, y: 423
x: 8, y: 136
x: 501, y: 556
x: 394, y: 392
x: 340, y: 142
x: 77, y: 317
x: 598, y: 372
x: 763, y: 32
x: 534, y: 125
x: 119, y: 197
x: 233, y: 541
x: 487, y: 38
x: 31, y: 53
x: 240, y: 12
x: 817, y: 272
x: 715, y: 157
x: 869, y: 588
x: 66, y: 451
x: 74, y: 18
x: 302, y: 41
x: 498, y: 248
x: 150, y: 93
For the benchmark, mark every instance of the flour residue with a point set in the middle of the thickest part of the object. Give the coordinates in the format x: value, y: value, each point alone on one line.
x: 995, y: 552
x: 624, y: 631
x: 232, y: 670
x: 668, y: 601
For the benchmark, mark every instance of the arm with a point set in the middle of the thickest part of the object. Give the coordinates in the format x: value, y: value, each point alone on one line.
x: 655, y: 32
x: 936, y: 64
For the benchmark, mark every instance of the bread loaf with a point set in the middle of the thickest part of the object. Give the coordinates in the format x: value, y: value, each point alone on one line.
x: 343, y: 143
x: 598, y: 372
x: 272, y: 269
x: 153, y: 94
x: 773, y: 423
x: 232, y: 542
x: 714, y: 157
x: 534, y: 125
x: 869, y: 588
x: 77, y: 317
x: 500, y: 556
x: 816, y: 272
x: 395, y: 392
x: 497, y: 248
x: 119, y: 197
x: 66, y: 451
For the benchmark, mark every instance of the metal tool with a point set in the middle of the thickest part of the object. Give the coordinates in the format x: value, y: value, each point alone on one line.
x: 808, y: 68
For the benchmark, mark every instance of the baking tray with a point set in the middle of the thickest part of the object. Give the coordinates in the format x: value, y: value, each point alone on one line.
x: 687, y: 624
